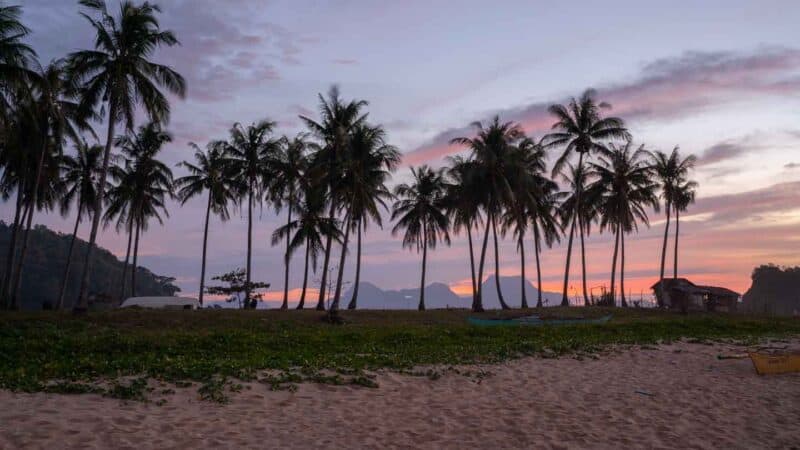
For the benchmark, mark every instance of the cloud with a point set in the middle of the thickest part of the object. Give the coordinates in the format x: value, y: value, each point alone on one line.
x: 665, y: 88
x: 792, y: 165
x: 344, y: 61
x: 722, y: 152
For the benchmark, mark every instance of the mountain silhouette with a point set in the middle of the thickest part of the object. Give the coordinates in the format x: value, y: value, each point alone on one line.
x: 511, y: 293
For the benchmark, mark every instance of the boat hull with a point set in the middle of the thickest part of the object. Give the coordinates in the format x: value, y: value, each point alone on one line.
x: 775, y: 364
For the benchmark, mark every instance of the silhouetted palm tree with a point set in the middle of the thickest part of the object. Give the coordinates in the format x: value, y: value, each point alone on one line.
x: 80, y: 175
x: 119, y: 75
x: 623, y: 188
x: 334, y: 129
x: 580, y: 220
x: 672, y: 172
x: 543, y: 214
x: 208, y: 173
x: 288, y: 166
x: 15, y: 59
x: 249, y: 154
x: 684, y: 196
x: 491, y: 150
x: 581, y: 129
x: 421, y: 211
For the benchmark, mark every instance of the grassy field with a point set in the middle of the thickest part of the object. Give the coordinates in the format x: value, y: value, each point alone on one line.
x: 115, y: 353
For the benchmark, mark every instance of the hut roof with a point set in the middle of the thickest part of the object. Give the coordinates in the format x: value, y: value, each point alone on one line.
x: 720, y: 291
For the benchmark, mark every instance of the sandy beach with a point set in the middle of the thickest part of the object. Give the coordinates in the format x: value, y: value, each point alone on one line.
x: 671, y: 396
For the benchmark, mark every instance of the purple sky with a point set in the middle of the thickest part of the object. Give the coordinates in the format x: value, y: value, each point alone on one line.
x: 719, y: 78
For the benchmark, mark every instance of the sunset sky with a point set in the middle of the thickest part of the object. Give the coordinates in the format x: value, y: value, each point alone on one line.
x: 721, y: 79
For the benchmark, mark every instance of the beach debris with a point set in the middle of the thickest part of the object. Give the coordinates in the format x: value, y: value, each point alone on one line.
x: 645, y: 393
x: 734, y: 356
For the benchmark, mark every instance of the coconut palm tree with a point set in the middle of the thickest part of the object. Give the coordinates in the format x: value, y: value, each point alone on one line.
x: 208, y: 173
x: 337, y: 121
x: 119, y: 75
x: 580, y: 128
x: 310, y: 227
x: 671, y: 171
x: 421, y: 211
x: 288, y: 166
x: 491, y: 150
x: 684, y: 196
x: 368, y: 165
x: 16, y: 58
x: 79, y: 174
x: 463, y: 209
x: 249, y: 154
x: 622, y: 190
x: 543, y: 213
x: 144, y: 183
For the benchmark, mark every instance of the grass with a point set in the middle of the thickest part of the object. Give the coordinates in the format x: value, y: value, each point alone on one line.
x: 61, y: 353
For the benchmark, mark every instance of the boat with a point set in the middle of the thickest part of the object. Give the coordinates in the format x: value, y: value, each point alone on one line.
x: 161, y: 303
x: 537, y: 321
x: 775, y: 363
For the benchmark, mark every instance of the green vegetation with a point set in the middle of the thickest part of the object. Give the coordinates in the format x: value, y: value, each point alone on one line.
x: 118, y: 350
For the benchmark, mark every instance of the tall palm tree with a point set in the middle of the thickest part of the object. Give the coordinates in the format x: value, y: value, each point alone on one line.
x: 15, y: 58
x: 543, y: 214
x: 118, y: 74
x: 623, y: 188
x: 421, y: 211
x: 671, y: 171
x: 310, y: 228
x: 208, y: 173
x: 368, y: 165
x: 684, y: 196
x: 576, y: 219
x: 581, y: 128
x: 463, y: 209
x: 80, y: 186
x: 144, y: 183
x: 250, y: 152
x: 288, y: 165
x: 337, y: 121
x: 491, y: 150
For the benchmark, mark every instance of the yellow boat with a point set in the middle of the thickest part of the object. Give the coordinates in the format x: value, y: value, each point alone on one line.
x: 769, y: 364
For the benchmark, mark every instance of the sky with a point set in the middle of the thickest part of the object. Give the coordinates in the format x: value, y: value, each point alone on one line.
x: 720, y: 79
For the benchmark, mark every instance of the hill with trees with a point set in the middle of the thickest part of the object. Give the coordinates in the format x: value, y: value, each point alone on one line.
x: 775, y: 290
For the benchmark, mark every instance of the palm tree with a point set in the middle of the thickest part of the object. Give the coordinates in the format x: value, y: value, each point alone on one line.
x: 542, y: 212
x: 250, y: 152
x: 208, y: 173
x: 143, y: 185
x: 119, y: 74
x: 421, y: 211
x: 580, y: 128
x: 672, y: 172
x: 576, y: 179
x: 15, y: 59
x: 622, y: 190
x: 337, y: 122
x: 463, y: 209
x: 684, y: 196
x: 289, y: 165
x: 80, y: 186
x: 368, y: 165
x: 491, y: 150
x: 310, y: 227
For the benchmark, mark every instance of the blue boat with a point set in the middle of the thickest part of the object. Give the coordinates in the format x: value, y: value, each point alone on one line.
x: 536, y: 321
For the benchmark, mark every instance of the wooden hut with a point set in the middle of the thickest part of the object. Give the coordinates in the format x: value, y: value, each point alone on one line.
x: 680, y: 293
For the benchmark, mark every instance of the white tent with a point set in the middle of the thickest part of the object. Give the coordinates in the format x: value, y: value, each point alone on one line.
x: 161, y: 302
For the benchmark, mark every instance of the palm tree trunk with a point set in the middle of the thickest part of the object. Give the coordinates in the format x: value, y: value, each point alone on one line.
x: 564, y: 298
x: 249, y: 246
x: 677, y: 233
x: 583, y: 265
x: 60, y: 302
x: 477, y: 305
x: 82, y: 305
x: 285, y: 304
x: 354, y: 301
x: 538, y: 265
x: 660, y: 298
x: 205, y: 246
x: 326, y: 261
x: 524, y: 303
x: 125, y: 265
x: 11, y: 256
x: 497, y: 267
x: 135, y: 266
x: 338, y: 293
x: 305, y: 278
x: 421, y: 306
x: 622, y: 270
x: 614, y: 263
x: 471, y: 264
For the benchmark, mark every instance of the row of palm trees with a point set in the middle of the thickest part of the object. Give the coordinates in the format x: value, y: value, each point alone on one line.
x: 332, y: 180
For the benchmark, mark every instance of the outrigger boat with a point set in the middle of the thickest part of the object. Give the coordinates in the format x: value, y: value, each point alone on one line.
x: 769, y: 364
x: 537, y: 321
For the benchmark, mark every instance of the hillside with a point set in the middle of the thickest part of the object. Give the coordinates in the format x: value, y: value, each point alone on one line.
x: 775, y: 290
x: 44, y: 267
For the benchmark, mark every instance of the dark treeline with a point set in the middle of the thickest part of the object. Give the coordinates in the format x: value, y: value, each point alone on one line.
x: 333, y: 180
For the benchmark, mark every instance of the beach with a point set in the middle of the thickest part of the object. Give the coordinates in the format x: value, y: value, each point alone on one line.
x: 669, y: 396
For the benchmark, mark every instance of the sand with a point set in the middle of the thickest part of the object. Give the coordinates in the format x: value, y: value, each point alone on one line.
x: 686, y: 398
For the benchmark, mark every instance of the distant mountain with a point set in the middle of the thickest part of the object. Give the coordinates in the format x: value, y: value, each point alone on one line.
x: 775, y: 290
x: 44, y: 267
x: 439, y: 295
